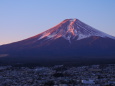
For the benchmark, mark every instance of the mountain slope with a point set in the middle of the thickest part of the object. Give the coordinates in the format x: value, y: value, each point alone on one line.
x: 71, y: 29
x: 71, y: 40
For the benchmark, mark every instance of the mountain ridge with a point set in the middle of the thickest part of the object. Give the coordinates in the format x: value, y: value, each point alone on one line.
x: 69, y: 31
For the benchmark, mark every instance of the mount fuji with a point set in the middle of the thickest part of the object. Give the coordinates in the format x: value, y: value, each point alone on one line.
x: 70, y: 42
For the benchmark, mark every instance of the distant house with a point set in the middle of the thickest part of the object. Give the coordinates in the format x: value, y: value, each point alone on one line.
x: 88, y: 81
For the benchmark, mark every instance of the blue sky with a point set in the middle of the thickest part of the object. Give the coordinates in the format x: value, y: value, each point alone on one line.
x: 20, y: 19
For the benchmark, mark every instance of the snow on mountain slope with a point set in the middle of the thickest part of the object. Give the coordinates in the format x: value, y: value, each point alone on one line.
x: 72, y: 29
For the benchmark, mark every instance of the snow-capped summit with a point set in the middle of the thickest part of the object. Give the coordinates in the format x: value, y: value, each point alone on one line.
x: 72, y: 29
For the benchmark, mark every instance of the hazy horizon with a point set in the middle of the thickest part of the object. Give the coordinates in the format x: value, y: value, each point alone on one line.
x: 25, y: 18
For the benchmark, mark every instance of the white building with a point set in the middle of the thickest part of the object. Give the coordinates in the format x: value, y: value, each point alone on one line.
x: 88, y: 81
